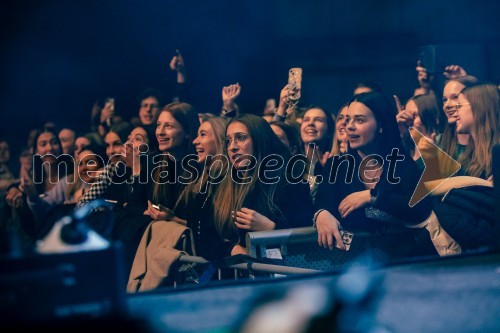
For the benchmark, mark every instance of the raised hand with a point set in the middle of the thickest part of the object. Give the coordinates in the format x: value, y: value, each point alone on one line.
x: 249, y: 219
x: 453, y: 71
x: 230, y: 93
x: 107, y: 112
x: 27, y: 186
x: 427, y: 147
x: 325, y: 158
x: 177, y: 64
x: 14, y: 197
x: 424, y: 80
x: 403, y: 118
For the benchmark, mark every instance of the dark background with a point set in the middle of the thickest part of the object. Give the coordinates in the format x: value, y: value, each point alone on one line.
x: 59, y: 57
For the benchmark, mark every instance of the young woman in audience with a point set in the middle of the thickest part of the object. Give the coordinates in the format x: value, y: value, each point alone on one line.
x: 422, y: 113
x: 288, y: 135
x: 67, y: 191
x: 378, y: 196
x: 176, y: 124
x: 45, y: 170
x: 70, y: 188
x: 194, y: 206
x: 478, y: 115
x: 316, y: 132
x: 116, y: 137
x: 176, y: 128
x: 339, y: 145
x: 247, y: 201
x: 453, y: 143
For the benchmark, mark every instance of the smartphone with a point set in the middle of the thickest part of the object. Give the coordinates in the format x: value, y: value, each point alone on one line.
x: 431, y: 57
x: 347, y: 237
x: 110, y: 101
x: 162, y: 208
x: 295, y: 82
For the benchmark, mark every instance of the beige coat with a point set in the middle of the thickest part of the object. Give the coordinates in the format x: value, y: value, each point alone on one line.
x: 157, y: 251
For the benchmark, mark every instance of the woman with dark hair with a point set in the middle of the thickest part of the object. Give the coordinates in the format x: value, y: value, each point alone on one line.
x: 289, y: 136
x: 316, y: 132
x: 116, y: 138
x: 47, y: 159
x: 176, y: 128
x: 47, y: 168
x: 124, y: 182
x: 339, y: 145
x: 379, y: 197
x: 62, y: 197
x: 46, y: 171
x: 422, y: 113
x: 246, y: 201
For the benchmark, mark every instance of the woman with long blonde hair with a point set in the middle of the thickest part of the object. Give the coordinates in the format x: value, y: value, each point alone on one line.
x: 194, y: 206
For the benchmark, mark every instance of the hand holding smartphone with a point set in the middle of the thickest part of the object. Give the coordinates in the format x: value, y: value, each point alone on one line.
x: 161, y: 208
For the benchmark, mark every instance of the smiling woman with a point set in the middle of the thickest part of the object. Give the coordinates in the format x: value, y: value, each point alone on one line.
x: 176, y: 128
x: 478, y: 114
x: 380, y: 200
x: 316, y: 132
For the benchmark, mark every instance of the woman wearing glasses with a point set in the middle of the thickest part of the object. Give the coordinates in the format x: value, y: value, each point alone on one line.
x: 453, y: 143
x: 478, y: 115
x: 249, y: 199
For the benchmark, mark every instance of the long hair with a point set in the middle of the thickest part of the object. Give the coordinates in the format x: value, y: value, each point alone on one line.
x: 325, y: 144
x: 385, y: 115
x: 187, y: 117
x: 232, y: 196
x: 122, y: 129
x: 335, y: 143
x: 293, y: 136
x: 429, y: 114
x: 449, y: 141
x: 484, y: 101
x: 218, y: 125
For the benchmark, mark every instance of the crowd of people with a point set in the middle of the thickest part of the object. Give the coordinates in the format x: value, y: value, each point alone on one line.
x: 223, y: 174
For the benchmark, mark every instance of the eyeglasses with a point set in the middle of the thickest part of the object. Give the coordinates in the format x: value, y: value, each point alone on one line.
x: 458, y: 106
x: 239, y: 139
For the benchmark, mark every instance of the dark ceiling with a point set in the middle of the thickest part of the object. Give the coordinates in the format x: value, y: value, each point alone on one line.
x: 58, y: 57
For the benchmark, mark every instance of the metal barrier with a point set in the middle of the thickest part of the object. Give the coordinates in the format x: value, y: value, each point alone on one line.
x: 187, y: 262
x: 299, y: 247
